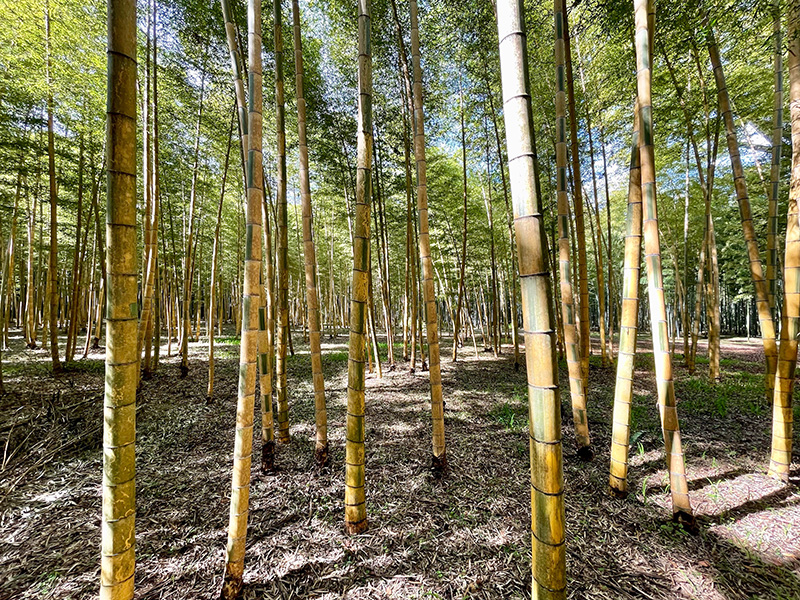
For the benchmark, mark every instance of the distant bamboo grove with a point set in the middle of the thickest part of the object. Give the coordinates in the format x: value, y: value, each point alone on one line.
x: 277, y: 232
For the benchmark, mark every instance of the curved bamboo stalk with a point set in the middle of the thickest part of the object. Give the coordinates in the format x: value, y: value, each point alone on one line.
x: 355, y: 508
x: 681, y: 508
x: 243, y: 446
x: 572, y: 349
x: 547, y: 481
x: 122, y: 364
x: 309, y: 254
x: 628, y: 327
x: 782, y: 416
x: 439, y: 459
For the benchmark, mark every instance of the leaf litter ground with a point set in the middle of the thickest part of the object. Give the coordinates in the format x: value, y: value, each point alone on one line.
x: 464, y: 536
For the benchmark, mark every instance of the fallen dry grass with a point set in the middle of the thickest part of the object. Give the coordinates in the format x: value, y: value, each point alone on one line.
x: 464, y: 536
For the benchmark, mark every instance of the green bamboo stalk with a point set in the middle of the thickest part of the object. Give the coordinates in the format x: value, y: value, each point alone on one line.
x: 782, y: 415
x: 573, y: 351
x: 122, y: 363
x: 251, y: 293
x: 681, y: 508
x: 547, y: 480
x: 355, y: 508
x: 626, y: 353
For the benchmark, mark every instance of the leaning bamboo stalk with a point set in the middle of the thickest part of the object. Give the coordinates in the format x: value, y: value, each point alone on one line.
x: 572, y: 347
x: 782, y: 415
x: 355, y: 509
x: 119, y: 406
x: 628, y: 327
x: 681, y: 508
x: 547, y: 481
x: 243, y: 445
x: 756, y: 270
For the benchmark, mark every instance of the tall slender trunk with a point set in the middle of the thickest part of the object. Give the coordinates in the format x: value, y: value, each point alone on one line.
x: 628, y: 328
x: 756, y: 270
x: 547, y: 479
x: 72, y: 330
x: 461, y: 282
x: 439, y: 459
x: 777, y: 147
x: 645, y: 24
x: 119, y: 422
x: 782, y: 415
x: 580, y: 231
x: 571, y: 339
x: 187, y: 262
x: 355, y: 510
x: 52, y: 262
x: 309, y: 254
x: 243, y: 445
x: 282, y: 228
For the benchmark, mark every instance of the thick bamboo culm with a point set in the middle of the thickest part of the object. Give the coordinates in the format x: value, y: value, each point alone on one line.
x: 309, y: 254
x: 355, y: 509
x: 243, y: 445
x: 122, y: 364
x: 547, y: 481
x: 740, y: 184
x: 571, y: 340
x: 282, y: 230
x: 628, y: 327
x: 439, y: 458
x: 782, y: 415
x: 682, y: 511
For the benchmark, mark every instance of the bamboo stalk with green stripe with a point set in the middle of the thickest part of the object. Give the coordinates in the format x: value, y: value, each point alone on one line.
x: 547, y: 480
x: 782, y: 415
x: 644, y: 12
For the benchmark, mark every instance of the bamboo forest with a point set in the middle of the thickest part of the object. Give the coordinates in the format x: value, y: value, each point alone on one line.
x: 399, y: 299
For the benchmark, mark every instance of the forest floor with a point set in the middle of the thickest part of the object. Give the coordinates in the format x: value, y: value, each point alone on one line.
x: 464, y: 536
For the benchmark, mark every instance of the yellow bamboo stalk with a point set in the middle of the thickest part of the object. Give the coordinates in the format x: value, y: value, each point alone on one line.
x: 122, y: 363
x: 309, y: 253
x: 681, y: 508
x: 626, y: 353
x: 355, y: 508
x: 439, y: 458
x: 547, y: 480
x: 740, y: 184
x: 782, y: 415
x: 572, y: 349
x: 251, y: 291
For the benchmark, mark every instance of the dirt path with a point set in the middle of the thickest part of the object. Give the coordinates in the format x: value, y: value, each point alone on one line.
x: 466, y: 536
